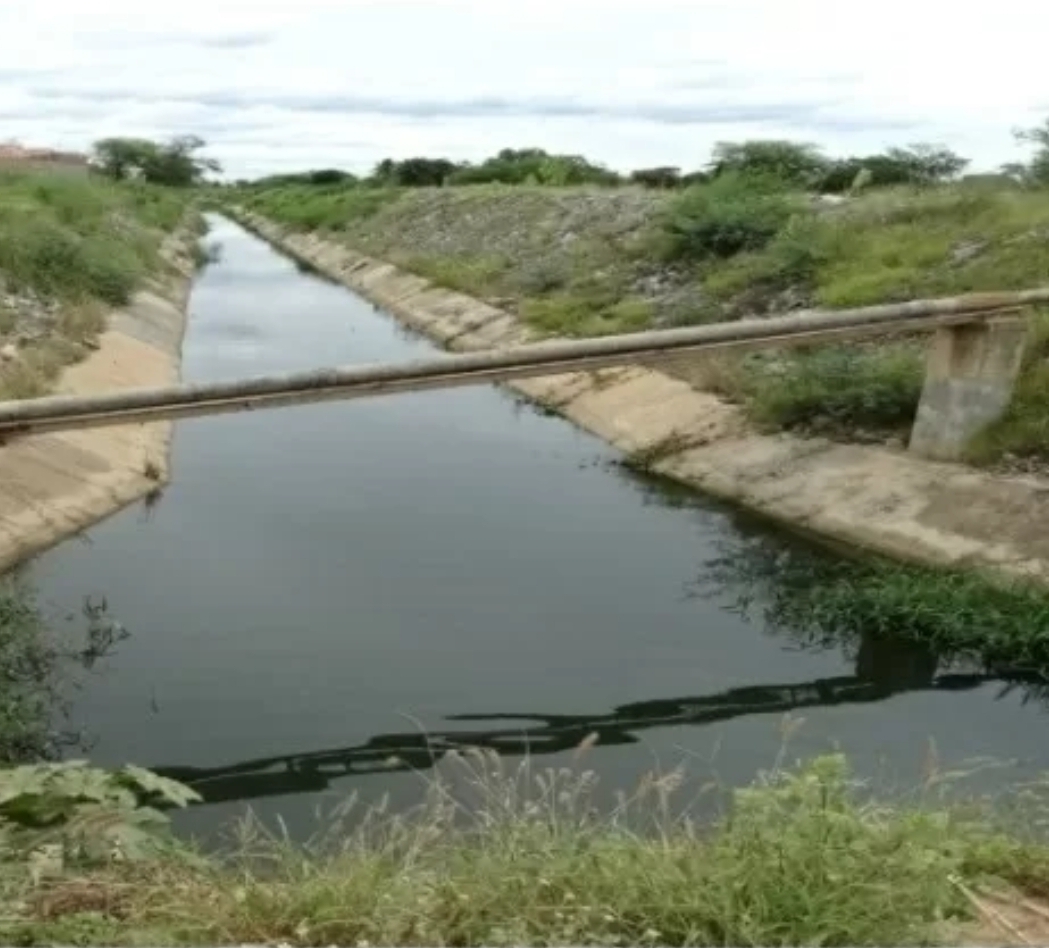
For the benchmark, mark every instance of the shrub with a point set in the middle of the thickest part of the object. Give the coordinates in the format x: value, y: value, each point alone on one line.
x: 839, y: 389
x: 725, y: 217
x: 81, y: 239
x: 795, y: 163
x: 41, y: 254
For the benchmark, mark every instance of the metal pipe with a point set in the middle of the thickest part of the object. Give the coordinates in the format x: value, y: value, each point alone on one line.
x: 62, y: 412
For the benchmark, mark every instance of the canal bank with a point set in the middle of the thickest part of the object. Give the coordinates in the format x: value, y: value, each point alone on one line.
x: 330, y: 599
x: 54, y: 486
x: 869, y: 497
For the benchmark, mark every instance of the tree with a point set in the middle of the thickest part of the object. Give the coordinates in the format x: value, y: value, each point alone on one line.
x: 1037, y: 170
x: 414, y: 172
x: 927, y: 164
x: 664, y: 177
x: 176, y: 163
x: 915, y: 165
x: 533, y: 166
x: 122, y: 158
x: 794, y: 163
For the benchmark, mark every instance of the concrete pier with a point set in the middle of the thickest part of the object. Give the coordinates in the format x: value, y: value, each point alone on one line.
x: 969, y: 380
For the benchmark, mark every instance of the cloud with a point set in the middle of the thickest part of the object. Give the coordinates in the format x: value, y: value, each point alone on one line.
x: 245, y: 40
x: 119, y: 39
x: 812, y: 115
x: 643, y: 84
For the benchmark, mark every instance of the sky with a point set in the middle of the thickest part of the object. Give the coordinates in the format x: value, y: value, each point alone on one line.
x: 296, y: 84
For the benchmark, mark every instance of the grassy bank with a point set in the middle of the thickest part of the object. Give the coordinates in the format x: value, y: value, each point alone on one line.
x: 71, y: 248
x: 803, y: 856
x: 595, y: 260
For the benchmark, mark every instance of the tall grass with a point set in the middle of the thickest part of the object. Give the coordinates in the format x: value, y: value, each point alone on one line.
x: 836, y: 390
x: 80, y: 239
x: 328, y: 207
x: 497, y: 857
x: 71, y: 248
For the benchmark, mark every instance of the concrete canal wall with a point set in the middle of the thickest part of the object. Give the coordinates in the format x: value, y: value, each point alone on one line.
x: 53, y: 486
x: 875, y: 498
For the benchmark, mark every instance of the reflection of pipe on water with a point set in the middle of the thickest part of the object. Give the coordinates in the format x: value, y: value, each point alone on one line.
x: 538, y: 734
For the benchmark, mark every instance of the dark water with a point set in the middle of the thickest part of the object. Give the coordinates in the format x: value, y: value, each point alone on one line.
x: 322, y: 586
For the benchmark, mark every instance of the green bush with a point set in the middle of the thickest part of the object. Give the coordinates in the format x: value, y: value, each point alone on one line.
x: 39, y: 253
x: 79, y: 239
x: 838, y: 389
x: 729, y: 215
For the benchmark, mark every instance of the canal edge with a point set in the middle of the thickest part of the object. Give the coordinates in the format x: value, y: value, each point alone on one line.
x: 55, y: 486
x: 867, y: 497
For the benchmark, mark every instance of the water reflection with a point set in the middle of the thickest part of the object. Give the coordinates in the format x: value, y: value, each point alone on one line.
x: 39, y: 669
x: 883, y: 668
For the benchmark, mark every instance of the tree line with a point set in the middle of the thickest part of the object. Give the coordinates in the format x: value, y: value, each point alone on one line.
x: 179, y: 162
x: 794, y: 164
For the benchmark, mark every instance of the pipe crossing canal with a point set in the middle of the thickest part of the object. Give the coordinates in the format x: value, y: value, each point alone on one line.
x: 321, y: 586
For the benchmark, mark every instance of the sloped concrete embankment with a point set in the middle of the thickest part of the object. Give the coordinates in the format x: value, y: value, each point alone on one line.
x: 53, y: 486
x: 869, y: 497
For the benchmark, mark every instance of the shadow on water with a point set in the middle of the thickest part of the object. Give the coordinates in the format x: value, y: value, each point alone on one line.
x: 884, y: 669
x: 754, y: 569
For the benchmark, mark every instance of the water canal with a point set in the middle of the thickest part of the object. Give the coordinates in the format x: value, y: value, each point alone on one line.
x: 321, y: 587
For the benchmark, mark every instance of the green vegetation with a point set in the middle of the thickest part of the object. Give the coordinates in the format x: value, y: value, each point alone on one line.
x: 35, y: 668
x: 80, y: 239
x: 70, y: 248
x: 803, y: 856
x: 580, y: 254
x: 794, y: 164
x: 176, y: 163
x: 835, y: 391
x: 956, y: 615
x: 730, y: 215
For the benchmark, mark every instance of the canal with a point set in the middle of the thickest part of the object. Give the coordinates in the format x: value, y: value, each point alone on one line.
x: 324, y: 591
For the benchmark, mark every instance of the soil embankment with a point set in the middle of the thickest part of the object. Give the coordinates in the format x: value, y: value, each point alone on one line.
x: 52, y: 486
x: 871, y: 497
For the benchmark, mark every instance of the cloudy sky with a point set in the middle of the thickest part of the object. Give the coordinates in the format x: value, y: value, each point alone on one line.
x: 277, y: 85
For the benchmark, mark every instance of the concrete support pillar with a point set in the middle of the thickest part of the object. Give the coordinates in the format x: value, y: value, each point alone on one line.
x: 969, y: 380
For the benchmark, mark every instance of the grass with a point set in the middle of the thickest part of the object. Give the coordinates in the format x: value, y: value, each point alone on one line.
x: 501, y: 857
x: 587, y: 262
x: 956, y: 614
x: 835, y: 390
x: 328, y: 207
x: 1024, y: 429
x: 475, y: 276
x: 80, y: 239
x: 70, y: 248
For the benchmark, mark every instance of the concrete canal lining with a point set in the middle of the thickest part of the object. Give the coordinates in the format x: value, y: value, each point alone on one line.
x: 871, y: 497
x: 53, y: 486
